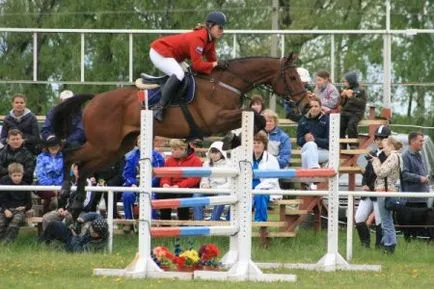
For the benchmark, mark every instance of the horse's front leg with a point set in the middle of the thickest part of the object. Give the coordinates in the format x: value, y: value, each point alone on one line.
x: 77, y: 198
x: 232, y: 140
x: 65, y: 190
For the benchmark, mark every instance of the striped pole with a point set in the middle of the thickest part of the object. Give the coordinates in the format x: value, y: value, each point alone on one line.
x: 294, y: 173
x: 194, y: 231
x: 193, y: 202
x: 187, y: 172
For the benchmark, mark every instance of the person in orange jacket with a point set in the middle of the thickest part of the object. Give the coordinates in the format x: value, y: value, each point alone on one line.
x: 168, y: 52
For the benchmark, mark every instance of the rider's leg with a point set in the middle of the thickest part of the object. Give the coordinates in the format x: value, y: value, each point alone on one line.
x: 176, y: 75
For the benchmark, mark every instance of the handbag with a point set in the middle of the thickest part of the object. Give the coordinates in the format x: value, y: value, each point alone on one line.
x: 394, y: 203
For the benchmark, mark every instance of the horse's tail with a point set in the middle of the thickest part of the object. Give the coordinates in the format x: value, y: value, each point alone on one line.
x: 63, y: 112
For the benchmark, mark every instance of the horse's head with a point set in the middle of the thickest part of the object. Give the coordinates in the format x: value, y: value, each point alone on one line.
x: 288, y: 85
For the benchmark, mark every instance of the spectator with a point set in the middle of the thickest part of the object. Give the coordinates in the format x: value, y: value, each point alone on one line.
x: 415, y: 175
x: 353, y: 102
x: 59, y: 215
x: 13, y: 204
x: 49, y: 172
x: 182, y: 156
x: 263, y: 160
x: 93, y: 239
x: 15, y: 152
x: 257, y: 103
x: 23, y: 119
x: 130, y: 174
x: 279, y: 143
x: 75, y: 135
x: 313, y: 137
x: 217, y: 158
x: 290, y: 106
x: 327, y: 92
x: 369, y: 204
x: 387, y: 176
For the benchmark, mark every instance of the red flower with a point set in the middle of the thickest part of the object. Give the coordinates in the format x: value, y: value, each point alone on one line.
x: 208, y: 252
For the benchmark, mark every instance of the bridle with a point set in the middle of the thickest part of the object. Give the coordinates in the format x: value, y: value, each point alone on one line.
x: 282, y: 76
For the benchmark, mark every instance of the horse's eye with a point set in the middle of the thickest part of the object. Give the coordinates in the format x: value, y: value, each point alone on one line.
x: 293, y: 78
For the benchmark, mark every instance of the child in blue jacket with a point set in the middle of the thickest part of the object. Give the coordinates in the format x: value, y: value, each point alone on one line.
x: 49, y: 170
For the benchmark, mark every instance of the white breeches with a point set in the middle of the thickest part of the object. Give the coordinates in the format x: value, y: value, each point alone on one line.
x: 365, y: 209
x: 168, y: 65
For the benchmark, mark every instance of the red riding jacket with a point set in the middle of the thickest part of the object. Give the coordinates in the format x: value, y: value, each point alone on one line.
x: 190, y: 161
x: 191, y: 45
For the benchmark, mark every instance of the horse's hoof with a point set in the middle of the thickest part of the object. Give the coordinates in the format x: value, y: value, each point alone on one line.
x: 231, y: 141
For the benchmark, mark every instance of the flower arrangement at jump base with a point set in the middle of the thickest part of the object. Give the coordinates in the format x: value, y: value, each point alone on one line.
x: 189, y: 260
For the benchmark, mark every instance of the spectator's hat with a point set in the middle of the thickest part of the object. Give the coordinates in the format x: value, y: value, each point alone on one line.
x: 304, y: 74
x: 383, y: 131
x: 64, y: 95
x: 52, y: 141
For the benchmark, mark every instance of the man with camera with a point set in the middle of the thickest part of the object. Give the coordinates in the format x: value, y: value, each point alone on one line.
x: 353, y: 102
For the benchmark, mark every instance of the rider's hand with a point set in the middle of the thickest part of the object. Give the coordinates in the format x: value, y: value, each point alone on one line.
x: 222, y: 64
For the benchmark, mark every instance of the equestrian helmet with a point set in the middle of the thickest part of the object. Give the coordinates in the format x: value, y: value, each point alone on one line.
x: 383, y: 131
x: 217, y: 17
x: 52, y: 141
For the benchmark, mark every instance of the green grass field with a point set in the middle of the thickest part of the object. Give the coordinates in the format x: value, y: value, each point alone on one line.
x: 26, y: 264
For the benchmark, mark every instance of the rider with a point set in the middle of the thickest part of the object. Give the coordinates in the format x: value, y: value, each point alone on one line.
x: 168, y: 52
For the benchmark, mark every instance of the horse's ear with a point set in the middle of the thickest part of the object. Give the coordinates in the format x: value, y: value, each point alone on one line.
x: 292, y: 57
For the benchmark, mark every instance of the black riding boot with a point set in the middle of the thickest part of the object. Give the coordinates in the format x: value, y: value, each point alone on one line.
x: 364, y: 234
x: 169, y: 89
x: 378, y: 236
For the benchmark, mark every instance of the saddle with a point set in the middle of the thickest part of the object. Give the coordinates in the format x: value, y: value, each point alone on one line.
x: 154, y: 85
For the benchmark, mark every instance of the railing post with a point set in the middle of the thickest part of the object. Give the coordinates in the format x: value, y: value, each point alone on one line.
x: 110, y: 220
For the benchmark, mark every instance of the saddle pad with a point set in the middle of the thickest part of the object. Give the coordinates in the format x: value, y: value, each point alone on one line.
x: 155, y: 94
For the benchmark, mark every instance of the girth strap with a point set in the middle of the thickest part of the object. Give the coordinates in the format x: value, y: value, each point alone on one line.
x: 195, y: 131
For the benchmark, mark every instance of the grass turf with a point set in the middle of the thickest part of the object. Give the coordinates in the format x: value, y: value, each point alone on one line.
x: 25, y: 264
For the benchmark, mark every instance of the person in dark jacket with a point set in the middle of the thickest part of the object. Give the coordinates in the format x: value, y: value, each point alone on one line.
x: 415, y: 176
x: 369, y: 204
x: 23, y: 119
x: 15, y: 152
x: 13, y: 204
x: 313, y: 137
x: 75, y: 136
x: 94, y: 238
x: 353, y: 103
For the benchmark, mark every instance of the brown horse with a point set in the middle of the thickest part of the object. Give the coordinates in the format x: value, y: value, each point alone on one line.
x: 112, y: 119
